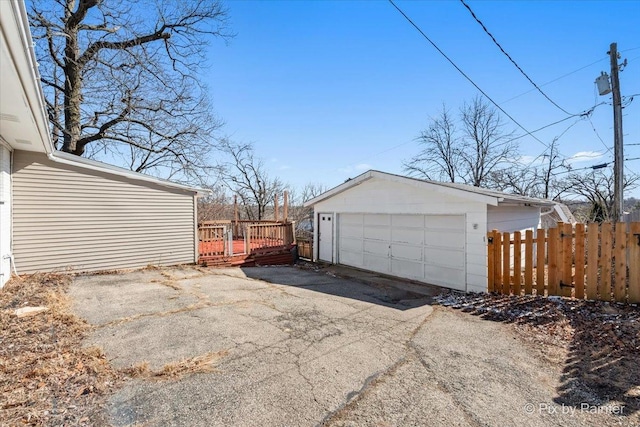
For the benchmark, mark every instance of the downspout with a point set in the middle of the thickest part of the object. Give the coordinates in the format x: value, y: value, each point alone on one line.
x: 9, y: 256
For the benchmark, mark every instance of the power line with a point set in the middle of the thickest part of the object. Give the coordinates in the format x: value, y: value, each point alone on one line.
x: 557, y: 78
x: 512, y: 60
x: 465, y: 75
x: 594, y: 167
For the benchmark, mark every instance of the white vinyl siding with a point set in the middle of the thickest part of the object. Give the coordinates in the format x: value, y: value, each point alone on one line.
x: 5, y: 214
x: 73, y: 218
x: 512, y: 218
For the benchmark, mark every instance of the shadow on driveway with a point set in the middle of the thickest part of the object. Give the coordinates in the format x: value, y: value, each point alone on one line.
x: 361, y: 285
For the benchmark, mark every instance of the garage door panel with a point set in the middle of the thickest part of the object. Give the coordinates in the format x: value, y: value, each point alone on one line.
x: 444, y: 257
x: 350, y: 244
x: 377, y: 219
x: 353, y: 259
x: 407, y: 235
x: 412, y: 221
x: 407, y: 252
x: 405, y: 268
x: 376, y: 247
x: 376, y: 263
x: 444, y: 239
x: 353, y: 219
x: 377, y: 233
x: 445, y: 222
x: 351, y: 230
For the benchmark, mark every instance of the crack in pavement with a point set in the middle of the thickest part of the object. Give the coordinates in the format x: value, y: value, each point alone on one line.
x: 372, y: 381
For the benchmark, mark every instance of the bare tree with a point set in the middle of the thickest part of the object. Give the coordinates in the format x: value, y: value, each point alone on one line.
x: 216, y: 206
x: 468, y: 152
x: 244, y: 174
x: 440, y: 154
x: 597, y: 188
x: 297, y: 211
x: 121, y: 79
x: 544, y: 180
x: 486, y: 143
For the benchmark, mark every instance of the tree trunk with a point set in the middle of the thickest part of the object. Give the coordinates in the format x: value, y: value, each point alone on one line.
x: 72, y: 88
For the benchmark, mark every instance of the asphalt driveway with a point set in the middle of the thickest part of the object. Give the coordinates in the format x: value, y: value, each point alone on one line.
x: 294, y: 347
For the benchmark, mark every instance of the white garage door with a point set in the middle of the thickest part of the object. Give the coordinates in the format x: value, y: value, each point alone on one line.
x: 428, y: 248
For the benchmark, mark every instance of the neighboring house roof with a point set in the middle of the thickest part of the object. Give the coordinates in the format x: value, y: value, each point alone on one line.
x: 23, y: 119
x: 490, y: 197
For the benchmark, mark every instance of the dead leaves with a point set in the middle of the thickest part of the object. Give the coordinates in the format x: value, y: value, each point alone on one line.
x: 46, y: 377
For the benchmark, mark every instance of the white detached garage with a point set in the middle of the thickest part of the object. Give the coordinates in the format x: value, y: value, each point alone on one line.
x: 427, y: 231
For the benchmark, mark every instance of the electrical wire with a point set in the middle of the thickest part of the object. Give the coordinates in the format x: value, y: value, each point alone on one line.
x: 512, y: 60
x: 556, y: 79
x: 594, y: 167
x: 465, y: 75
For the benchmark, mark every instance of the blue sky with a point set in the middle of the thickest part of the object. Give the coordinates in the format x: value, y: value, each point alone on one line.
x: 327, y: 90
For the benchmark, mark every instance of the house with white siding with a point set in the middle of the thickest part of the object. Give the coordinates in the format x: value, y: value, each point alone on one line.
x: 428, y: 231
x: 60, y: 212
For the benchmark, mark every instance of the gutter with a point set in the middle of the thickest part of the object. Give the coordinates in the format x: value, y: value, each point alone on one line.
x: 28, y: 44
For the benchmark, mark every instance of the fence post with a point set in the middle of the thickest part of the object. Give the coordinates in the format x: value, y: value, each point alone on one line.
x: 497, y: 258
x: 567, y: 259
x: 517, y: 262
x: 579, y: 262
x: 606, y: 242
x: 540, y: 263
x: 634, y: 262
x: 491, y: 267
x: 528, y: 262
x: 592, y: 261
x: 247, y: 238
x: 552, y: 261
x: 506, y: 263
x: 620, y: 284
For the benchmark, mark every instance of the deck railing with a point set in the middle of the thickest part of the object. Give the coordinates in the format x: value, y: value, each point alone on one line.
x: 212, y: 240
x: 259, y: 236
x: 217, y: 237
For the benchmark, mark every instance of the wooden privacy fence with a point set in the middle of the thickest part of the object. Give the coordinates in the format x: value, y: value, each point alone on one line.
x: 305, y: 248
x: 591, y: 261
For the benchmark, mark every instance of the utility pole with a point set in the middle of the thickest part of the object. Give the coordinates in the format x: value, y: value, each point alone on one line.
x: 618, y: 168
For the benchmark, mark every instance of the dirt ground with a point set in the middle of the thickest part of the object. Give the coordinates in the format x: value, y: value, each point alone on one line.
x: 308, y: 346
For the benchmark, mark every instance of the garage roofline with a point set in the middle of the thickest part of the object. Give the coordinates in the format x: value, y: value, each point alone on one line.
x: 489, y: 197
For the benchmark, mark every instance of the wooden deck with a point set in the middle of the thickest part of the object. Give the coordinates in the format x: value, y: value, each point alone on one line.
x: 253, y: 243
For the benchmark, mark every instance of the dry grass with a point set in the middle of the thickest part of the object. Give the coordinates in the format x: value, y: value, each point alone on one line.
x: 204, y: 363
x: 46, y: 377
